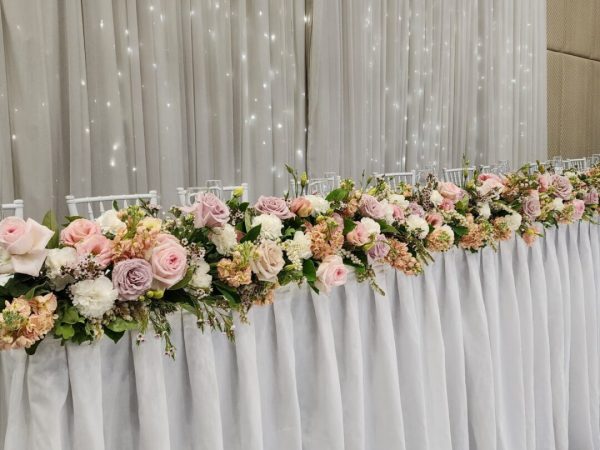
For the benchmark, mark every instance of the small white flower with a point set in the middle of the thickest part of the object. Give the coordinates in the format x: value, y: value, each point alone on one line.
x: 201, y: 278
x: 93, y: 298
x: 371, y: 226
x: 224, y: 238
x: 389, y: 212
x: 319, y: 204
x: 436, y: 198
x: 110, y: 223
x: 513, y: 221
x: 57, y: 259
x: 418, y: 225
x: 270, y: 226
x: 484, y: 210
x: 398, y: 200
x: 557, y: 204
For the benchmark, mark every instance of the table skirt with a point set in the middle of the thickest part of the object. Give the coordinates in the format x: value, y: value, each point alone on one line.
x: 489, y: 350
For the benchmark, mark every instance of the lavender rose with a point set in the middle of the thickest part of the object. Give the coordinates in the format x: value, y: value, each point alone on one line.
x: 562, y: 186
x: 416, y: 209
x: 531, y: 206
x: 132, y: 278
x: 370, y: 207
x: 273, y: 205
x: 591, y: 198
x: 381, y: 248
x: 208, y: 211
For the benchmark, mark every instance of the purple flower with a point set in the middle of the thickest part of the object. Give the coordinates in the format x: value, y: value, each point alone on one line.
x: 371, y: 207
x: 381, y: 248
x: 132, y: 278
x: 531, y: 205
x: 208, y: 211
x: 562, y: 186
x: 273, y: 205
x: 416, y: 209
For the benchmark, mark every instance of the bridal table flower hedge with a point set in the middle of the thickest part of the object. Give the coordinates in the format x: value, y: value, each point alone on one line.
x: 129, y: 269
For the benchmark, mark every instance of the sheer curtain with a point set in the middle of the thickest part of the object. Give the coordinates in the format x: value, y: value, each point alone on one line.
x: 400, y: 84
x: 100, y: 97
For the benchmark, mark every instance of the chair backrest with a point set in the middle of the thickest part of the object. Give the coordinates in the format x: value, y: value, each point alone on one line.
x: 457, y: 177
x: 596, y: 158
x: 577, y: 164
x: 395, y: 178
x: 13, y: 209
x: 533, y: 167
x: 316, y: 186
x: 187, y: 196
x: 487, y: 169
x: 95, y: 206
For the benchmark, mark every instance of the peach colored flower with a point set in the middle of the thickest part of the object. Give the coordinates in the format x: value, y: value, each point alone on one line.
x: 301, y: 206
x: 501, y: 229
x: 400, y: 258
x: 475, y: 238
x: 97, y: 245
x: 24, y: 322
x: 233, y: 273
x: 326, y: 239
x: 78, y: 230
x: 440, y: 239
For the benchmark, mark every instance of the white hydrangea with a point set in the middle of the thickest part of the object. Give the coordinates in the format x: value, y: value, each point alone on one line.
x: 371, y: 226
x: 389, y: 212
x: 557, y: 204
x: 416, y: 224
x: 224, y: 238
x: 513, y: 221
x: 319, y: 204
x: 298, y: 248
x: 110, y: 223
x: 93, y: 298
x: 398, y: 200
x: 436, y: 198
x: 270, y: 226
x: 484, y: 210
x: 201, y: 278
x: 57, y: 259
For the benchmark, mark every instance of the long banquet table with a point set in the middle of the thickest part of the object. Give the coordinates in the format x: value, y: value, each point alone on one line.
x: 491, y: 350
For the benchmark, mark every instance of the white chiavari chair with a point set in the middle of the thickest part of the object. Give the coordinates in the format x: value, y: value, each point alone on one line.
x: 578, y: 164
x: 595, y: 158
x: 457, y: 176
x: 395, y: 178
x: 13, y: 209
x: 533, y: 167
x: 487, y: 169
x: 187, y: 196
x: 96, y: 206
x: 316, y: 186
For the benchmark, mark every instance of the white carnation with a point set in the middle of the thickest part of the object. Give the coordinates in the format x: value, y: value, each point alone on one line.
x: 371, y: 226
x: 319, y: 204
x: 201, y: 278
x: 418, y: 225
x: 484, y: 210
x: 398, y: 200
x: 270, y: 226
x: 224, y: 238
x: 389, y: 212
x: 93, y: 298
x: 110, y: 223
x: 436, y: 198
x: 299, y: 247
x: 557, y: 204
x: 513, y: 221
x: 57, y: 259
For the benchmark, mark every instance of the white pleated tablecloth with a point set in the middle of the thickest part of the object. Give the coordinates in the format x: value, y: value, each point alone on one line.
x: 491, y: 350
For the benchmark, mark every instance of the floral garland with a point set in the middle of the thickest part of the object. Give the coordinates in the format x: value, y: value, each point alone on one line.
x: 129, y: 269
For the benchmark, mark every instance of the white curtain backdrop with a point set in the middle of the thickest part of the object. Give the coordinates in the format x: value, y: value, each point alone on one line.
x: 485, y: 351
x: 401, y: 84
x: 101, y: 96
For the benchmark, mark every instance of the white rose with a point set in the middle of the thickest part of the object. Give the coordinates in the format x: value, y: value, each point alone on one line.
x: 57, y: 259
x: 398, y: 200
x: 319, y: 204
x: 389, y: 212
x: 93, y: 298
x: 513, y: 221
x: 371, y: 226
x: 110, y: 223
x: 224, y: 238
x: 5, y: 261
x: 484, y: 210
x: 418, y: 225
x: 201, y: 278
x: 436, y: 198
x: 557, y: 204
x: 270, y: 226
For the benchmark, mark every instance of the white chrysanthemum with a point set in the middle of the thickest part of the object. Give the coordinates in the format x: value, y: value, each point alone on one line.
x: 418, y: 225
x: 201, y: 278
x: 389, y: 212
x: 484, y: 210
x: 110, y: 223
x: 319, y: 204
x: 57, y: 259
x: 371, y: 226
x: 298, y: 248
x: 557, y: 204
x: 436, y: 198
x: 447, y: 230
x: 93, y: 298
x: 270, y: 226
x: 513, y: 221
x: 224, y: 238
x: 398, y: 200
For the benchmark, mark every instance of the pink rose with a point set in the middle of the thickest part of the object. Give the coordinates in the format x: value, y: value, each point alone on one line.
x: 168, y: 261
x: 78, y: 230
x: 490, y: 176
x: 489, y: 185
x: 398, y: 213
x: 268, y: 261
x: 370, y: 207
x: 562, y: 186
x: 301, y: 206
x: 435, y: 219
x: 208, y: 211
x: 447, y: 205
x: 381, y: 248
x: 578, y: 209
x: 450, y: 191
x: 359, y: 236
x: 531, y: 205
x: 273, y: 205
x: 591, y: 198
x: 544, y: 180
x: 25, y: 242
x: 99, y: 246
x: 132, y: 278
x: 331, y: 273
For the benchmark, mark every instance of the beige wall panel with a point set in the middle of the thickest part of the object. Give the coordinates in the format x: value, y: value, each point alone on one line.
x: 555, y: 16
x: 595, y: 107
x: 596, y: 33
x: 579, y: 27
x: 554, y: 102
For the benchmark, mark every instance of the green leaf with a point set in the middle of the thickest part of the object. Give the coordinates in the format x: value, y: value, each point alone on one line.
x: 115, y: 205
x: 337, y: 195
x: 309, y: 271
x: 289, y: 232
x: 120, y: 324
x: 183, y: 282
x: 386, y: 227
x: 248, y: 219
x: 229, y: 293
x: 115, y: 336
x: 313, y: 287
x: 72, y: 218
x: 71, y: 316
x: 64, y: 331
x: 31, y: 293
x: 349, y: 225
x: 252, y: 234
x: 460, y: 231
x: 51, y: 223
